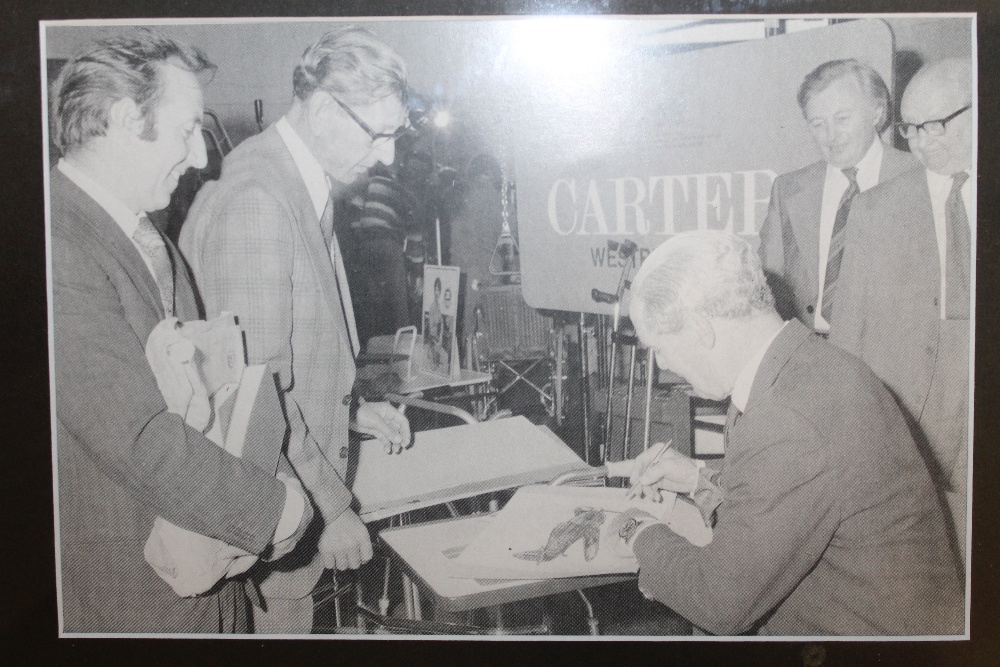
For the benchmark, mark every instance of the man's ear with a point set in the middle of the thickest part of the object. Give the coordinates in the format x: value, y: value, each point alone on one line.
x: 125, y: 116
x: 702, y: 329
x: 320, y: 108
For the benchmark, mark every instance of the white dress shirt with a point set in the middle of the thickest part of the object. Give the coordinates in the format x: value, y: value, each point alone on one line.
x: 834, y: 187
x: 939, y: 187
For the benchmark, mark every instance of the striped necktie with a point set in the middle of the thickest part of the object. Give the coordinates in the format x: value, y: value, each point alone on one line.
x: 148, y: 238
x: 958, y: 255
x: 836, y: 255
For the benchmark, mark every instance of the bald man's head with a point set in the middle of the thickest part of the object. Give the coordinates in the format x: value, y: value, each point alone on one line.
x: 936, y: 92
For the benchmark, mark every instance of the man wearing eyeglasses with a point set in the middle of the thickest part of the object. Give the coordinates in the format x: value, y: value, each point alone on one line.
x: 262, y: 245
x: 905, y: 301
x: 845, y: 104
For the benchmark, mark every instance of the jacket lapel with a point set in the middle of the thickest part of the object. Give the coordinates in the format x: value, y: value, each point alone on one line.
x: 805, y: 207
x: 106, y: 232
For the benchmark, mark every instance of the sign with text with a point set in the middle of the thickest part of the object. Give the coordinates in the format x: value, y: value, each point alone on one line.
x: 647, y: 145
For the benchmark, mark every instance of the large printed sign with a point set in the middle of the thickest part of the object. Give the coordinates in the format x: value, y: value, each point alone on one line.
x: 651, y: 145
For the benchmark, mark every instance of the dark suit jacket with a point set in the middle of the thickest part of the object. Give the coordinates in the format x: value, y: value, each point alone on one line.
x: 257, y: 250
x: 789, y: 237
x: 888, y: 311
x: 829, y: 524
x: 122, y: 458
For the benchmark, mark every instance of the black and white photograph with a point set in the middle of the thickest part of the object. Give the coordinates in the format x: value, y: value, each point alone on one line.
x: 697, y: 296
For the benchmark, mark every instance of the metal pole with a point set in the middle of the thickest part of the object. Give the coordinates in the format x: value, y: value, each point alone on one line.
x: 650, y: 368
x: 585, y: 386
x: 628, y: 403
x: 611, y: 384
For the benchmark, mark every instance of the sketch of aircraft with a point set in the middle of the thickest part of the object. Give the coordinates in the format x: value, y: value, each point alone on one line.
x: 586, y: 525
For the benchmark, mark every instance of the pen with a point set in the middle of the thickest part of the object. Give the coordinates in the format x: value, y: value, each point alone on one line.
x: 635, y: 487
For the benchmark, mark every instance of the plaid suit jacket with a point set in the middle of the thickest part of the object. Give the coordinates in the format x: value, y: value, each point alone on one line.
x: 123, y: 459
x: 256, y: 249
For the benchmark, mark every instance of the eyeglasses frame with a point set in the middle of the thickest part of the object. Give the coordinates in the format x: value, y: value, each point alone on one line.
x: 923, y: 126
x: 375, y: 136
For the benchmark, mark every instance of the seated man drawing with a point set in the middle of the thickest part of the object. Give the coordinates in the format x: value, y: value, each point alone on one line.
x: 825, y: 519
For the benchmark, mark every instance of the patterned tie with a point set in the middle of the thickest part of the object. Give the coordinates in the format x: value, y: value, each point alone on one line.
x: 836, y: 255
x: 151, y: 242
x: 958, y: 255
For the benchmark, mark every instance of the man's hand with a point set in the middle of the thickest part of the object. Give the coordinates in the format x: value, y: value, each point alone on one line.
x: 671, y: 472
x: 389, y: 426
x: 344, y: 544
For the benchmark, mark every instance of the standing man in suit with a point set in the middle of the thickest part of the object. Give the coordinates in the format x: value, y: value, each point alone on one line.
x: 846, y: 104
x: 261, y: 243
x: 825, y: 518
x: 908, y: 275
x: 126, y: 117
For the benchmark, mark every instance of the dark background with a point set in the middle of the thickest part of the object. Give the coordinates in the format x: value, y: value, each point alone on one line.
x: 28, y: 616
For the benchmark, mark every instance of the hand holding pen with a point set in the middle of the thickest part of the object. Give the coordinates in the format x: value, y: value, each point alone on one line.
x: 659, y: 468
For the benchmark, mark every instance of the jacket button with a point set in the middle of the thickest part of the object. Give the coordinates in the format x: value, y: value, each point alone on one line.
x: 810, y: 310
x: 936, y: 302
x: 347, y: 399
x: 343, y: 452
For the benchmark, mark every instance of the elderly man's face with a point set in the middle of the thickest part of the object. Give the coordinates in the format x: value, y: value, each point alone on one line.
x: 178, y: 145
x: 844, y: 121
x: 952, y: 151
x: 347, y: 151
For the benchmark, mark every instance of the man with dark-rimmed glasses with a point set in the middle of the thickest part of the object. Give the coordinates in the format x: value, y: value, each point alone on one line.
x: 262, y: 245
x: 909, y: 274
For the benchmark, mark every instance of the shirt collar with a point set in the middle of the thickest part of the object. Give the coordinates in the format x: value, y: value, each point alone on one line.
x: 868, y: 167
x: 309, y: 167
x: 744, y: 381
x: 940, y: 184
x: 127, y: 219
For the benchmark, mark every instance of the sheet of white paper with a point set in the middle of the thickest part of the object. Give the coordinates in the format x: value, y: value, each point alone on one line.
x: 507, y: 548
x: 458, y: 462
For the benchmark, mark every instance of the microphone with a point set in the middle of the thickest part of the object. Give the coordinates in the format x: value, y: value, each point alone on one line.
x: 258, y: 113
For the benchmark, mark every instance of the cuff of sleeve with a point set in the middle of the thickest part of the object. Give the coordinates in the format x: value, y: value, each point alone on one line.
x: 647, y: 537
x: 291, y: 514
x: 699, y: 464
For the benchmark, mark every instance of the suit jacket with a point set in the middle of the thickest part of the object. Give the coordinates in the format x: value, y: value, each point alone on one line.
x: 257, y: 250
x: 888, y: 311
x: 123, y: 459
x: 789, y: 237
x: 829, y: 524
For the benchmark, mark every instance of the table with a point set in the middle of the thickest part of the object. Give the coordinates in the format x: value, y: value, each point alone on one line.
x: 422, y: 551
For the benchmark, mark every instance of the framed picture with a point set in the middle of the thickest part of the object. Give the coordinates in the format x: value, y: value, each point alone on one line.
x: 440, y: 312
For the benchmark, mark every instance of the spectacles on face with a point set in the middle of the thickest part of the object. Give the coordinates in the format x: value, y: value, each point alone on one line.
x: 933, y: 128
x: 377, y: 138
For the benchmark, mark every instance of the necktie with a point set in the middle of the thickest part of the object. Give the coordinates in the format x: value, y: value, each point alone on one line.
x: 343, y: 288
x: 836, y: 255
x: 148, y: 238
x: 958, y: 255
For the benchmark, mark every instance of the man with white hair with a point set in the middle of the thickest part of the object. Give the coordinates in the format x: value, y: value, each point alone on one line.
x: 825, y: 520
x: 908, y: 273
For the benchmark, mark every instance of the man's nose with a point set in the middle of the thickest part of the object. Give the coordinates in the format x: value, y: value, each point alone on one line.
x: 197, y: 152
